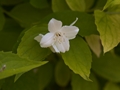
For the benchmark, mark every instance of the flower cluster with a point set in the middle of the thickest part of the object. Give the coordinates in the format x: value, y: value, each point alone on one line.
x: 57, y: 39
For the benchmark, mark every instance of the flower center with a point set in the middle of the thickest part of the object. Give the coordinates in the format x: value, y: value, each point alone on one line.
x: 59, y: 37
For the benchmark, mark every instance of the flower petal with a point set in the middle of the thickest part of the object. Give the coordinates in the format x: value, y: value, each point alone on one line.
x: 64, y: 46
x: 54, y: 49
x: 38, y: 38
x: 54, y: 25
x: 47, y: 40
x: 70, y: 31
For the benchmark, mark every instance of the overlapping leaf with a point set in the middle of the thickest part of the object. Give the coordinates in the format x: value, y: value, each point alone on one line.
x: 79, y: 58
x: 29, y: 48
x: 108, y: 25
x: 94, y: 43
x: 11, y: 64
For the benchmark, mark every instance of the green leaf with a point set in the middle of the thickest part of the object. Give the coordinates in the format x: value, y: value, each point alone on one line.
x: 10, y: 2
x: 2, y: 81
x: 8, y: 39
x: 36, y: 79
x: 62, y: 74
x: 89, y: 3
x: 107, y: 66
x: 27, y: 15
x: 44, y: 75
x: 30, y: 48
x: 86, y: 22
x: 2, y: 19
x: 99, y: 4
x: 9, y: 35
x: 12, y: 64
x: 27, y: 81
x: 94, y: 43
x: 12, y: 26
x: 59, y: 5
x: 111, y: 86
x: 39, y: 3
x: 108, y: 26
x: 76, y: 5
x: 111, y: 3
x: 79, y: 58
x: 17, y: 76
x: 79, y: 83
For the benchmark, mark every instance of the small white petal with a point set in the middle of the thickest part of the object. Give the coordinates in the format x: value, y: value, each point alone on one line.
x: 66, y: 44
x: 70, y: 31
x: 47, y: 40
x: 63, y: 46
x: 54, y: 25
x: 38, y: 38
x: 60, y: 47
x: 54, y: 49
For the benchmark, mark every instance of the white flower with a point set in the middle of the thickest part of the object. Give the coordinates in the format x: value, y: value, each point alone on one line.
x: 57, y: 39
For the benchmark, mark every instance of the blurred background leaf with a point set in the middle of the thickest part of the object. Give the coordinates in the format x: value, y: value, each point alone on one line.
x: 27, y: 15
x: 79, y: 83
x: 59, y: 5
x: 2, y: 19
x: 39, y: 3
x: 62, y: 74
x: 111, y: 86
x: 107, y: 66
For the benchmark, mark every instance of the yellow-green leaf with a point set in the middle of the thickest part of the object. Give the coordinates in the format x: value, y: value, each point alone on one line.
x: 108, y: 26
x: 11, y: 64
x: 79, y: 58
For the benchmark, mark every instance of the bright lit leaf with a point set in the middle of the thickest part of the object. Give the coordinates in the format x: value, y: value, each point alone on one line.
x: 12, y: 64
x: 111, y: 3
x: 79, y: 58
x: 108, y: 26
